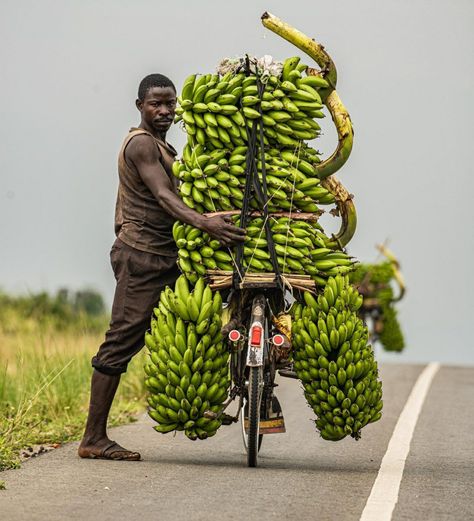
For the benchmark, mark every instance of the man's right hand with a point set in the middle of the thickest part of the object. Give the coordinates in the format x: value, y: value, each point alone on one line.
x: 222, y: 229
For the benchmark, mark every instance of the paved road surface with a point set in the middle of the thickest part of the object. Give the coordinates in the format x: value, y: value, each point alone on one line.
x: 300, y: 476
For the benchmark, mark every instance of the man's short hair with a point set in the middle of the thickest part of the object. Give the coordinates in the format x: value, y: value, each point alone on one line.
x: 153, y: 80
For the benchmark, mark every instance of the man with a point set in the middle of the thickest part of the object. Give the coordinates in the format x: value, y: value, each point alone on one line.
x: 144, y: 254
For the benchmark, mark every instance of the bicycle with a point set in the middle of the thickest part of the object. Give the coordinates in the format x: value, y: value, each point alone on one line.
x: 254, y: 342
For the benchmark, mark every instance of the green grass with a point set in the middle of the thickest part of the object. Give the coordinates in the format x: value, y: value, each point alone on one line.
x: 44, y: 384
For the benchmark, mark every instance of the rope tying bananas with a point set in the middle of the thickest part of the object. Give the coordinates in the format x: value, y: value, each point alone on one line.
x: 334, y: 361
x: 188, y: 365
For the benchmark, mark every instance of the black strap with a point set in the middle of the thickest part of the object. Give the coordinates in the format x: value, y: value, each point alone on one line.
x: 263, y: 192
x: 268, y: 232
x: 246, y: 210
x: 249, y: 172
x: 252, y: 181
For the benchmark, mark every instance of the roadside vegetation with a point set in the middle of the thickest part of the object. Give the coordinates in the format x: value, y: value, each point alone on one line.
x: 46, y: 343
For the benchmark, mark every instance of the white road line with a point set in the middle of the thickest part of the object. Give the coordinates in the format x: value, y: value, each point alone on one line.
x: 384, y: 494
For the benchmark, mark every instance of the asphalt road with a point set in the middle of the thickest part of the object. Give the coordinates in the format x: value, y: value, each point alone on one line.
x: 300, y: 476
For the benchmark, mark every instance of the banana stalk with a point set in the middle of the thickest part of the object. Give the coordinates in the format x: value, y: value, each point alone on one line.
x: 312, y: 48
x: 346, y: 210
x: 330, y: 98
x: 345, y: 136
x: 396, y: 269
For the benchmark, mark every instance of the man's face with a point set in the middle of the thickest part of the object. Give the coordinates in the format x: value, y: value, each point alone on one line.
x: 158, y: 108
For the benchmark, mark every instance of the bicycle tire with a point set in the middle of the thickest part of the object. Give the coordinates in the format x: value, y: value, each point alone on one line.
x: 255, y: 378
x: 244, y: 433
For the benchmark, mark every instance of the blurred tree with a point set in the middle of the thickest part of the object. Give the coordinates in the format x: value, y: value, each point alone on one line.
x: 83, y: 309
x: 90, y: 302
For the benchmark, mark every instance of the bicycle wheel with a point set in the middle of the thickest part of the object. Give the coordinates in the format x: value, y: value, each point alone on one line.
x: 243, y: 418
x: 255, y: 386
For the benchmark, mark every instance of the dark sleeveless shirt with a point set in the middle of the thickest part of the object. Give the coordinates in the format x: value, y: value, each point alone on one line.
x: 140, y: 221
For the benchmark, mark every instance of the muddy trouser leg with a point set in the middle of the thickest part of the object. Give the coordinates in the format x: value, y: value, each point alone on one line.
x: 140, y: 277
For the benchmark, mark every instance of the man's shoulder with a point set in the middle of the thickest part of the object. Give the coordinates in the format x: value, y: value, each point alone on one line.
x: 141, y: 145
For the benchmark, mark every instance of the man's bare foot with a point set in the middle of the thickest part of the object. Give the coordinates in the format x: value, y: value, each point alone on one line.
x: 106, y: 449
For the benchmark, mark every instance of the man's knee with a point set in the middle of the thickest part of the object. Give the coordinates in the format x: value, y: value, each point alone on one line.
x: 108, y: 368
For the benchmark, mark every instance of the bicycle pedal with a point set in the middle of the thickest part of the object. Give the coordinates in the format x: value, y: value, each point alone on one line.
x: 227, y: 419
x: 288, y: 373
x: 270, y: 426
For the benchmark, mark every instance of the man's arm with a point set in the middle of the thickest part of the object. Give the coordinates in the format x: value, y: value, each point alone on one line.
x: 144, y: 155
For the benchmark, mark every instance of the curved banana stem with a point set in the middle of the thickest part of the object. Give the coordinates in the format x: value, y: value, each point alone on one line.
x: 396, y: 270
x: 330, y: 98
x: 346, y: 210
x: 312, y: 48
x: 345, y: 136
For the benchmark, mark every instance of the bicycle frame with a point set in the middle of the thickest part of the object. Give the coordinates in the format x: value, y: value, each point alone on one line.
x: 257, y: 333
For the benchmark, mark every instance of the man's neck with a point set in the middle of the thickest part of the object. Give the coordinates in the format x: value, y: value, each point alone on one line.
x: 157, y: 134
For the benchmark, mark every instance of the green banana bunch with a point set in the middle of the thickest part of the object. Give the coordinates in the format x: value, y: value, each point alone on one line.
x: 211, y: 180
x: 376, y: 279
x: 334, y: 361
x: 209, y: 108
x: 301, y: 247
x: 214, y: 180
x: 187, y: 370
x: 380, y: 273
x: 391, y: 337
x: 216, y: 110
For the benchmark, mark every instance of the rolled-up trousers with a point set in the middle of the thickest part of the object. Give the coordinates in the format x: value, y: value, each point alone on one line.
x: 140, y: 277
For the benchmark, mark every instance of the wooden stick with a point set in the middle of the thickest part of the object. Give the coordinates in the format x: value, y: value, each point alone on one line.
x: 302, y: 216
x: 219, y: 279
x: 221, y: 273
x: 302, y: 288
